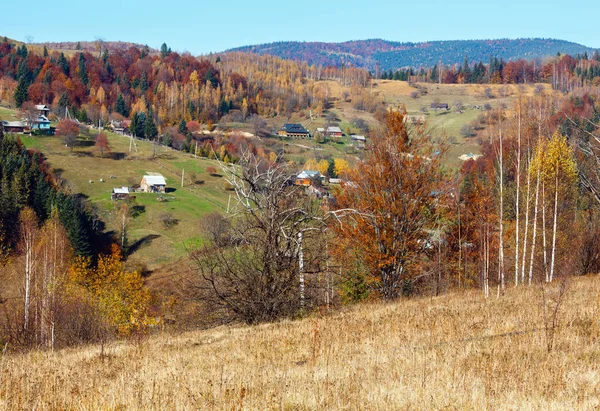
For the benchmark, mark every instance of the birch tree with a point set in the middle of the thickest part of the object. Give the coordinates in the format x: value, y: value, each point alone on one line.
x: 561, y: 171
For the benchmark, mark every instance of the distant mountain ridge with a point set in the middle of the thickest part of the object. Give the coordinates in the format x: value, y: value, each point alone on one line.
x: 393, y: 55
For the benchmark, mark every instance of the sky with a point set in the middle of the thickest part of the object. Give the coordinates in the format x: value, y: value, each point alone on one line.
x: 201, y: 27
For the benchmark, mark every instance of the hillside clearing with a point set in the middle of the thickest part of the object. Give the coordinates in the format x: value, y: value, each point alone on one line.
x: 83, y: 172
x: 456, y: 351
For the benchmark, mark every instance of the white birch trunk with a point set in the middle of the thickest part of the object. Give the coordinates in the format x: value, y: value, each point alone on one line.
x: 501, y: 225
x: 544, y: 242
x: 554, y: 228
x: 535, y: 218
x: 527, y: 199
x: 517, y: 199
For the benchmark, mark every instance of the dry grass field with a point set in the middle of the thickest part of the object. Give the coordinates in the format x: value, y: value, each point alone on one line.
x: 457, y: 351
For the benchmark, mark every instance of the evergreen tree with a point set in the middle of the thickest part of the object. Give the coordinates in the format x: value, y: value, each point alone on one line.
x: 21, y: 95
x: 164, y: 50
x: 182, y: 127
x: 144, y: 83
x: 45, y: 52
x: 63, y: 63
x: 149, y: 127
x: 120, y: 106
x: 83, y: 74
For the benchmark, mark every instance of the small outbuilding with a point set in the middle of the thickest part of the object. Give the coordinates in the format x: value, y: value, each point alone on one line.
x: 120, y: 193
x: 14, y: 126
x: 153, y: 184
x: 306, y: 177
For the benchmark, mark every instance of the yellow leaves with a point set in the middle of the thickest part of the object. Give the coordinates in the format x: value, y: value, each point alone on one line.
x: 341, y: 166
x: 310, y: 164
x: 194, y: 78
x: 555, y: 159
x: 139, y: 106
x: 323, y: 166
x: 121, y: 296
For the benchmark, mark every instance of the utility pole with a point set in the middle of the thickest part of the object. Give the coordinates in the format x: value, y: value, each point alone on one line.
x: 182, y: 176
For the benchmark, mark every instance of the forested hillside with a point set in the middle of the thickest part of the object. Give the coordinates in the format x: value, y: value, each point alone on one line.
x: 385, y: 55
x: 167, y: 86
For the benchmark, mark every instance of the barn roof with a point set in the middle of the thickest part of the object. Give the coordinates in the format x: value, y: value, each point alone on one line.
x: 155, y: 180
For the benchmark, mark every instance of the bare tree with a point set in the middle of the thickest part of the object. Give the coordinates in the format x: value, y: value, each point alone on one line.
x: 255, y: 268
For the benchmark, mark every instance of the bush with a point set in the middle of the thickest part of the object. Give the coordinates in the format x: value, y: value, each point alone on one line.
x: 467, y: 131
x: 168, y: 220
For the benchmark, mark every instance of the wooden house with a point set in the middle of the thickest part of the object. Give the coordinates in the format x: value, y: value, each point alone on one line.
x: 14, y: 126
x: 293, y: 130
x: 120, y: 193
x: 42, y: 110
x: 153, y: 184
x: 440, y: 106
x: 306, y: 177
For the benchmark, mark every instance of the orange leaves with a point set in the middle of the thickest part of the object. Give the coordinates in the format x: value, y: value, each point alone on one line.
x: 393, y: 191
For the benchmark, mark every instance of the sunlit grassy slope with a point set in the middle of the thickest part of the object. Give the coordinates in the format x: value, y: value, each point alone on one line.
x: 456, y: 351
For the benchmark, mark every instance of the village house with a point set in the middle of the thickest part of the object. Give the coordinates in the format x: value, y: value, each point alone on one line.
x: 40, y: 123
x: 330, y: 132
x: 43, y: 110
x: 153, y: 184
x: 293, y: 130
x: 440, y: 106
x: 120, y: 193
x: 120, y: 127
x: 355, y: 137
x: 14, y: 126
x: 306, y: 177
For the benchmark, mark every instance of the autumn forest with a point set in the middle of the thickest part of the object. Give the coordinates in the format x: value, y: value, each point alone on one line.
x: 397, y: 219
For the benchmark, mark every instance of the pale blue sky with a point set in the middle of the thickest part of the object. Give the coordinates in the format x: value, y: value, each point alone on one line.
x: 201, y: 27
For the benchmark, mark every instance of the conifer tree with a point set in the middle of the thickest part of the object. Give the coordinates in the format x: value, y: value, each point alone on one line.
x: 83, y: 74
x: 149, y: 127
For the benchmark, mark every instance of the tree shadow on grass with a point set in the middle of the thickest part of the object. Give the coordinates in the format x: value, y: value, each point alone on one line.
x: 142, y: 242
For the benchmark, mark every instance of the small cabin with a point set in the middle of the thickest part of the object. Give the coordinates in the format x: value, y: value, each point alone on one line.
x: 120, y: 193
x: 14, y: 126
x: 440, y: 106
x: 306, y: 177
x: 333, y: 132
x: 153, y: 184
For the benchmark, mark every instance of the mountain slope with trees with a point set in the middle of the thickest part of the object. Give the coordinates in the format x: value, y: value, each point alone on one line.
x: 383, y: 54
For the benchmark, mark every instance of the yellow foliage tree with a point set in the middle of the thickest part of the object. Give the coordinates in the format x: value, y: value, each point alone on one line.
x: 341, y: 166
x: 323, y: 166
x: 120, y: 296
x: 310, y: 164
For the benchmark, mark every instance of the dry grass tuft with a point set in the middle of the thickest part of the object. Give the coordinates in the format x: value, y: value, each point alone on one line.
x: 456, y: 351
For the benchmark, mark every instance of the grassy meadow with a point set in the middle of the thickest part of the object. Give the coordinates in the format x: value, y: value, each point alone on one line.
x: 457, y: 351
x: 154, y: 244
x: 444, y: 123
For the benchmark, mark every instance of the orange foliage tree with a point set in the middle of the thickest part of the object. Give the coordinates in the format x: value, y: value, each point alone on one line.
x: 394, y: 194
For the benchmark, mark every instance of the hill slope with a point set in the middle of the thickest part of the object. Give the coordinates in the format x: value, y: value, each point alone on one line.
x: 391, y: 55
x: 456, y: 351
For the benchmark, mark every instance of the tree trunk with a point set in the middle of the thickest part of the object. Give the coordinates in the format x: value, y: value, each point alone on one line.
x: 535, y: 217
x: 554, y: 228
x: 518, y: 177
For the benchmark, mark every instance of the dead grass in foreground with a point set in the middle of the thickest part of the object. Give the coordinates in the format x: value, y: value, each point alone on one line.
x: 456, y: 351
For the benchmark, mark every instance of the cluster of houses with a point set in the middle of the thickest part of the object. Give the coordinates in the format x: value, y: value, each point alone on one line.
x: 36, y: 123
x: 154, y: 183
x: 295, y: 130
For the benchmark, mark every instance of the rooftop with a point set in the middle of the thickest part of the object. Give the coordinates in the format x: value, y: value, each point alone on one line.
x: 155, y: 180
